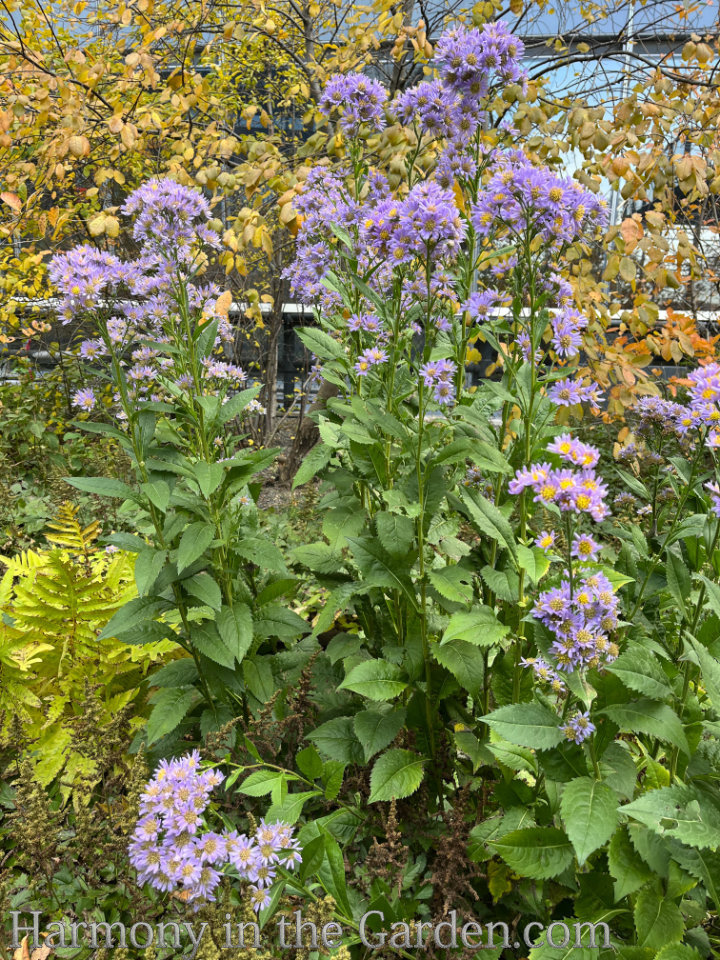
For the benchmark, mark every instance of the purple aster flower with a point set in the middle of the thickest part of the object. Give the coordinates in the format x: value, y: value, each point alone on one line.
x: 368, y: 359
x: 85, y: 399
x: 546, y: 540
x: 567, y: 392
x: 468, y: 58
x: 579, y: 727
x: 362, y: 101
x: 584, y: 547
x: 169, y: 214
x: 566, y: 338
x: 260, y: 898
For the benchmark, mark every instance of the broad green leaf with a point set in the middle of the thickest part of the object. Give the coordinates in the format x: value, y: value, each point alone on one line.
x: 678, y: 951
x: 309, y: 763
x: 704, y: 866
x: 318, y: 557
x: 589, y: 812
x: 170, y: 706
x: 534, y: 561
x: 261, y: 783
x: 148, y: 565
x: 464, y: 661
x: 102, y: 486
x: 712, y: 594
x: 627, y: 868
x: 193, y: 543
x: 131, y: 614
x: 679, y: 811
x: 332, y: 873
x: 336, y: 740
x: 158, y: 493
x: 277, y: 621
x: 379, y: 568
x: 290, y: 807
x: 395, y: 532
x: 648, y: 717
x: 320, y: 343
x: 537, y: 852
x: 207, y: 642
x: 235, y: 626
x: 396, y: 774
x: 177, y: 673
x: 479, y: 626
x: 640, y: 671
x: 658, y: 921
x: 376, y: 680
x: 454, y: 583
x: 204, y: 588
x: 313, y: 462
x: 678, y: 579
x: 376, y: 729
x: 527, y: 725
x: 489, y: 520
x: 209, y: 476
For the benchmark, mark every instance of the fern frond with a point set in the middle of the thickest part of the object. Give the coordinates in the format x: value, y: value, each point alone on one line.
x: 66, y: 532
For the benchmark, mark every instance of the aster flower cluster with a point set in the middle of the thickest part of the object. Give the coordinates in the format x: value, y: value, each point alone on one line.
x: 425, y: 224
x: 361, y: 99
x: 530, y: 201
x: 581, y: 618
x: 167, y: 211
x: 438, y: 377
x: 84, y: 275
x: 172, y: 851
x: 658, y: 413
x: 469, y: 58
x: 580, y: 491
x: 568, y: 392
x: 139, y: 298
x: 579, y: 727
x: 545, y: 673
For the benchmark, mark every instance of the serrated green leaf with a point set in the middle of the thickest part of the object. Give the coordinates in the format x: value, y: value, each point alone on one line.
x: 536, y: 852
x: 193, y: 543
x: 313, y: 462
x: 527, y: 725
x: 336, y: 740
x: 487, y: 519
x: 320, y: 343
x: 396, y: 774
x: 204, y: 588
x: 640, y: 671
x: 170, y: 706
x: 376, y: 729
x: 627, y: 868
x: 589, y: 812
x: 148, y: 565
x: 395, y: 532
x: 235, y: 626
x: 646, y: 716
x: 102, y: 486
x: 158, y: 493
x: 710, y: 668
x: 376, y: 680
x: 479, y: 626
x: 658, y: 921
x: 464, y: 661
x: 679, y: 811
x: 209, y: 476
